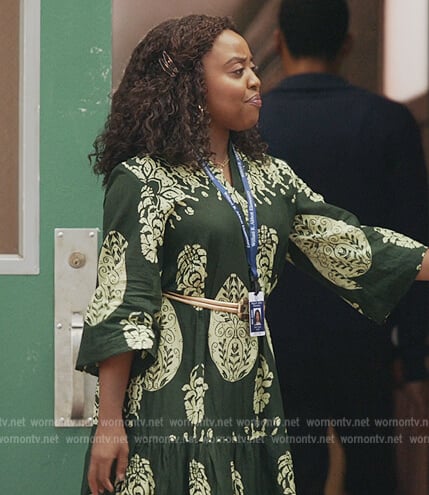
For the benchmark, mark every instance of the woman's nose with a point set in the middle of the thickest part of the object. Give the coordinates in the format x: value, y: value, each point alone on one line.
x: 254, y: 82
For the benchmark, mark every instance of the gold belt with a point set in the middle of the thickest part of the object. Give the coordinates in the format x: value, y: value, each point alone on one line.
x: 240, y: 308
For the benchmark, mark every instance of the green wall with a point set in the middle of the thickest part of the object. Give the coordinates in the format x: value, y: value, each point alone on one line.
x: 75, y: 83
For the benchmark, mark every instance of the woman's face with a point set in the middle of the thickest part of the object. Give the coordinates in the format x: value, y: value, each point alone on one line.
x: 233, y: 89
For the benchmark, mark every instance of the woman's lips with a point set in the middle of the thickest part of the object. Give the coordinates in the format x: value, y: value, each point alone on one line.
x: 255, y: 100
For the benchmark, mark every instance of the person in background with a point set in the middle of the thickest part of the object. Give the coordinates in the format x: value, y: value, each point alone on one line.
x: 363, y: 152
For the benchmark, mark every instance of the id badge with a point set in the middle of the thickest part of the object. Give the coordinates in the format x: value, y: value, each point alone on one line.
x: 256, y: 314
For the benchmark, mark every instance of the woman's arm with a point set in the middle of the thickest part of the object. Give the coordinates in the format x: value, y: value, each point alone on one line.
x: 110, y: 440
x: 424, y: 272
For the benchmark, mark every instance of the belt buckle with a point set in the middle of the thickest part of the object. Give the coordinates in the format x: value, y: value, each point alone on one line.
x: 243, y: 309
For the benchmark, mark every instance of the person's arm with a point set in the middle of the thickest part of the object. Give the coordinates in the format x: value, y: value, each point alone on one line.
x: 369, y: 267
x: 121, y: 321
x: 110, y: 440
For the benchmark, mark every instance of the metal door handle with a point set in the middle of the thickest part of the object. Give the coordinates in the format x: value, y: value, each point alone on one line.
x: 78, y: 383
x: 75, y: 277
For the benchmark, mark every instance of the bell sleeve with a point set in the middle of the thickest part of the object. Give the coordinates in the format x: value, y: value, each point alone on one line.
x: 122, y: 315
x: 369, y: 267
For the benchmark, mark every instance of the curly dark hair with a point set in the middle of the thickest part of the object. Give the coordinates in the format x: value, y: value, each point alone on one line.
x: 162, y: 115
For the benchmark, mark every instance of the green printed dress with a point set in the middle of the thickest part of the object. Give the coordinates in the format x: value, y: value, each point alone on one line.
x: 203, y: 409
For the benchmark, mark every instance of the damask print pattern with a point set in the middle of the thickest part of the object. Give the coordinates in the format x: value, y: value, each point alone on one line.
x: 139, y: 478
x: 160, y: 193
x: 263, y: 381
x: 267, y: 248
x: 232, y: 349
x: 198, y: 482
x: 193, y: 180
x: 301, y: 187
x: 222, y: 376
x: 112, y: 279
x: 263, y: 189
x: 170, y: 350
x: 259, y: 429
x: 235, y: 195
x: 237, y: 483
x: 277, y: 173
x: 138, y: 335
x: 338, y: 251
x: 134, y: 395
x: 264, y: 179
x: 397, y: 239
x: 191, y: 270
x: 194, y: 395
x: 285, y: 477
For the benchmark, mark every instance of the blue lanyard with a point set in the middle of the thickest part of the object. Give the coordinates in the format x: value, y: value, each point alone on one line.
x: 251, y: 237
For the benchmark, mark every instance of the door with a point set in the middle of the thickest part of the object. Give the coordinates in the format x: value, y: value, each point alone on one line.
x: 35, y: 456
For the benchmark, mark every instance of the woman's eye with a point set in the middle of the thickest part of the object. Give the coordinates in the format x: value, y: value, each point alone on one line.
x: 255, y: 69
x: 239, y: 72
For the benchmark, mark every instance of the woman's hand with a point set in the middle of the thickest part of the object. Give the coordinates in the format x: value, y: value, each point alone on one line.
x: 110, y: 445
x: 110, y: 441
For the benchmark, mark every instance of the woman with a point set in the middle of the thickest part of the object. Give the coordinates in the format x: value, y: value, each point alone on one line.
x: 197, y: 219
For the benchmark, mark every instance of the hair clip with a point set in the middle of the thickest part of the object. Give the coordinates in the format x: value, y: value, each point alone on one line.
x: 167, y: 64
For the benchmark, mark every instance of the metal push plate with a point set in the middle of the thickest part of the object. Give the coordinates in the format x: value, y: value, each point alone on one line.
x: 76, y: 252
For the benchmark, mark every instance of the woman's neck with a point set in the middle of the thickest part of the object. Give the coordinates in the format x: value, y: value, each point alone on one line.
x: 219, y: 140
